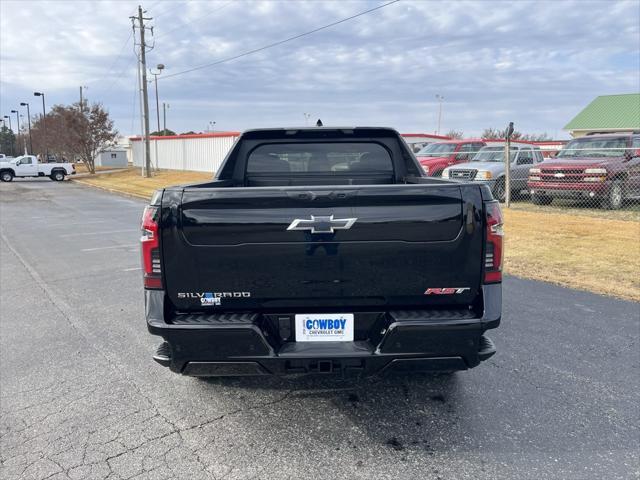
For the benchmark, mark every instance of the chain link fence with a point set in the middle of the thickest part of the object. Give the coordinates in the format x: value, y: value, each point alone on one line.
x: 589, y: 173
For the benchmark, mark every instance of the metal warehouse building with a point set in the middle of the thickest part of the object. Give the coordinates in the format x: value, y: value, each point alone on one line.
x: 204, y: 152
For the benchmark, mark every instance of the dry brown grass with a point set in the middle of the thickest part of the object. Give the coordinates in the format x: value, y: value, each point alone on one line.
x: 580, y: 251
x: 584, y: 251
x: 130, y: 181
x: 81, y: 168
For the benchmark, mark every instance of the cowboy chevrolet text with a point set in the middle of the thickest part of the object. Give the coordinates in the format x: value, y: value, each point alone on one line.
x: 322, y: 250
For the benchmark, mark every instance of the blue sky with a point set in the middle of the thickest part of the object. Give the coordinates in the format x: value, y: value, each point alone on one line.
x: 534, y: 63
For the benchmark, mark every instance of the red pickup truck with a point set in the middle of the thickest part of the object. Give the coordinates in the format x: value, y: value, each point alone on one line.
x: 435, y: 157
x: 602, y: 168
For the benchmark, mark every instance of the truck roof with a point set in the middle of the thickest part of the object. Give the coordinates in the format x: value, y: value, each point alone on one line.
x: 320, y: 129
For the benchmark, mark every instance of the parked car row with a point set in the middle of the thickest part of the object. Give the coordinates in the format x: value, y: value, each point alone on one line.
x: 480, y: 161
x: 601, y: 168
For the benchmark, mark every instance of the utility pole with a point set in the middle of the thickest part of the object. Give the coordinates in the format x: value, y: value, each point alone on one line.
x: 145, y: 97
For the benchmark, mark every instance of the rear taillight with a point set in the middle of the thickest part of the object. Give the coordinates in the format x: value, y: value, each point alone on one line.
x: 151, y: 269
x: 495, y: 236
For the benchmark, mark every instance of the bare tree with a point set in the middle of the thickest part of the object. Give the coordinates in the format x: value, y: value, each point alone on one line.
x: 457, y: 134
x: 497, y: 134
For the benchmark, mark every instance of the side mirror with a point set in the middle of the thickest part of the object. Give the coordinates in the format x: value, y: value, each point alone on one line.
x: 18, y: 162
x: 553, y: 154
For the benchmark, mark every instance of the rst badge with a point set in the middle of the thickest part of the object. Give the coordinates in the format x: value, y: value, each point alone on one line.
x: 446, y: 291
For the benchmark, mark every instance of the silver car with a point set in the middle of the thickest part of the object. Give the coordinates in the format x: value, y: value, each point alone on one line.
x: 487, y: 166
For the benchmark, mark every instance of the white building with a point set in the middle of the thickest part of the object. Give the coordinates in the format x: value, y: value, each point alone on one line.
x: 116, y: 158
x: 203, y: 152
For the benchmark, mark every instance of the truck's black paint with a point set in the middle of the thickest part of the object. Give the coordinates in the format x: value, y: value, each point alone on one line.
x: 412, y: 233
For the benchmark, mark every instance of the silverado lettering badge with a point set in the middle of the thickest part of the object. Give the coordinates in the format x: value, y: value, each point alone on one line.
x: 322, y: 224
x: 445, y: 291
x: 212, y: 298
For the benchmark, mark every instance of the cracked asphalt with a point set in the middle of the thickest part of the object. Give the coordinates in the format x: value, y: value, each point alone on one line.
x: 81, y: 398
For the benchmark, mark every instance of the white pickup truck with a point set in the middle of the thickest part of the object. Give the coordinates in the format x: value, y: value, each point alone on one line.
x: 28, y: 166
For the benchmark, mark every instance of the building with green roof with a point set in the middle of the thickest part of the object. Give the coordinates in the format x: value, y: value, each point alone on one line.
x: 607, y: 113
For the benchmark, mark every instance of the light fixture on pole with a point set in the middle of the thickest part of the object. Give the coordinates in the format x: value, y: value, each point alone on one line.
x: 160, y: 67
x: 212, y: 126
x: 440, y: 99
x: 24, y: 104
x: 44, y: 124
x: 306, y: 119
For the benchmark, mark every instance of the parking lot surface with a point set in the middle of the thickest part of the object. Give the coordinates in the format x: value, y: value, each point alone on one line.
x: 81, y: 397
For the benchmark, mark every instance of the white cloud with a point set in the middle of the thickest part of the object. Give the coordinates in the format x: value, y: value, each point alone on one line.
x: 536, y: 63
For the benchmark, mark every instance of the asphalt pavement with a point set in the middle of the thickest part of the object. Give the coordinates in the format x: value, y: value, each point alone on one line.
x: 81, y: 398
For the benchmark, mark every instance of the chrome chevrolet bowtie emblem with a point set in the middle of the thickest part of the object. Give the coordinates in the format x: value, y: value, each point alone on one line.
x: 322, y: 224
x: 559, y: 175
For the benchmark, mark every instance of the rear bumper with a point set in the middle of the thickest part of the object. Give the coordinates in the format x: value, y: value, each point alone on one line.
x: 244, y: 344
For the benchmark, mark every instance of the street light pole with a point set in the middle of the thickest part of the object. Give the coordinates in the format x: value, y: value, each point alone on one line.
x: 23, y: 104
x: 82, y: 98
x: 44, y: 124
x: 10, y: 128
x: 440, y: 98
x: 160, y: 67
x: 164, y: 116
x: 17, y: 119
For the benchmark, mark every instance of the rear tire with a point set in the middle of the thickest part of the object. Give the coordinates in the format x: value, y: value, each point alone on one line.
x: 57, y: 176
x: 6, y: 176
x: 541, y: 199
x: 615, y: 197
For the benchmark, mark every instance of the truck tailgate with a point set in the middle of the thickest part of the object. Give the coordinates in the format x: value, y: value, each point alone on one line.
x: 272, y: 248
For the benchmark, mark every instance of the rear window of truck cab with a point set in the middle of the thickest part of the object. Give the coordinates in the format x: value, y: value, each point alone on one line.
x: 320, y: 158
x: 594, y: 147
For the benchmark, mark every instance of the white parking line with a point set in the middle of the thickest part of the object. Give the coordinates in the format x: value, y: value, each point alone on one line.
x: 70, y: 224
x: 106, y: 248
x: 132, y: 269
x: 96, y: 233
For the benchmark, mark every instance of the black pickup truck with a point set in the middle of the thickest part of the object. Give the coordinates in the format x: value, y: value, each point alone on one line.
x: 322, y: 250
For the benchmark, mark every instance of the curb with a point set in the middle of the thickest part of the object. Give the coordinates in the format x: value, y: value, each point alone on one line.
x: 112, y: 190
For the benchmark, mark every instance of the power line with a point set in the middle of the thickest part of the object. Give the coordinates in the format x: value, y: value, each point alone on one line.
x: 117, y: 59
x: 201, y: 17
x: 169, y: 10
x: 275, y: 44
